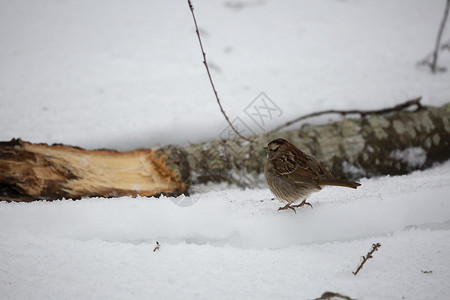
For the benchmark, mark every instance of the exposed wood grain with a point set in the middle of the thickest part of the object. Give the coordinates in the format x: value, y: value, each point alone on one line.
x: 40, y: 171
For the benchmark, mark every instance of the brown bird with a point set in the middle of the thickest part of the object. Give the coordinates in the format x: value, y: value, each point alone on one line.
x: 292, y: 174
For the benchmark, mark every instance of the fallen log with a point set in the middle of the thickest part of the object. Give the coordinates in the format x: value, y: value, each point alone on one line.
x: 374, y: 145
x: 392, y: 144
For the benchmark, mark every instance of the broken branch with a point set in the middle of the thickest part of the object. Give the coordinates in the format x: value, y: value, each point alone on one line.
x: 363, y: 113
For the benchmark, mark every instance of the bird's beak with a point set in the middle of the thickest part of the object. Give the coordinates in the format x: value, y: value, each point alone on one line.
x: 266, y: 148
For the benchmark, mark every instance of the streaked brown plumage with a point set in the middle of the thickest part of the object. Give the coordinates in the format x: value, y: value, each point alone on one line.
x: 293, y: 175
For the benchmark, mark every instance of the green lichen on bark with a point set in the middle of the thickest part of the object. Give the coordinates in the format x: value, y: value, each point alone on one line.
x: 351, y: 148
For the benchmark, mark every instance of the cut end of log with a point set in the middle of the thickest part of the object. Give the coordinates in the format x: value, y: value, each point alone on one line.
x: 40, y: 171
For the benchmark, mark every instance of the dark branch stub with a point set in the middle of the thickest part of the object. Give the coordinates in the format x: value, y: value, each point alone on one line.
x: 333, y: 295
x: 205, y: 62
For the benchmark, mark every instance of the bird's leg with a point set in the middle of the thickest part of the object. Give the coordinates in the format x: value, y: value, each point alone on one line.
x: 287, y: 206
x: 303, y: 203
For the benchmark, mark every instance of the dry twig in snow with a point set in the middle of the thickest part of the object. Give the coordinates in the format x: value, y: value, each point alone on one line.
x: 369, y: 255
x: 157, y: 246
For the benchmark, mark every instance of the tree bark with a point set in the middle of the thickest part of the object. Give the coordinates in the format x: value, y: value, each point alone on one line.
x: 369, y: 146
x: 352, y: 148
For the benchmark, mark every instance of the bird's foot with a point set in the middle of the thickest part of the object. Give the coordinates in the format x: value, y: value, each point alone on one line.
x: 287, y: 206
x: 303, y: 203
x: 293, y: 207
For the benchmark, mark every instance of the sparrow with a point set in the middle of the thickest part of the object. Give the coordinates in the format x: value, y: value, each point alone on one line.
x: 293, y: 175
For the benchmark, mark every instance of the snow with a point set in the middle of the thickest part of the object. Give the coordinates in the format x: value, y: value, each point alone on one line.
x: 413, y: 156
x: 110, y: 74
x: 69, y: 67
x: 234, y: 244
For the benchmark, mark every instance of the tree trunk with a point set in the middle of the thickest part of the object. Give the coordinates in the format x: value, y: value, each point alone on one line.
x: 362, y: 147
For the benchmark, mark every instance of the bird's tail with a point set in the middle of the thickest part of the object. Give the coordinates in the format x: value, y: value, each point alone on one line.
x: 339, y: 182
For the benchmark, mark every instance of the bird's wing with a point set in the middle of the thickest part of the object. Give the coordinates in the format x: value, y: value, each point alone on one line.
x: 314, y: 166
x: 284, y: 164
x: 290, y: 168
x: 303, y: 175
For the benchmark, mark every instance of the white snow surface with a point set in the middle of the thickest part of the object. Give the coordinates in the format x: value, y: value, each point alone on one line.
x: 234, y: 244
x: 124, y: 75
x: 114, y: 74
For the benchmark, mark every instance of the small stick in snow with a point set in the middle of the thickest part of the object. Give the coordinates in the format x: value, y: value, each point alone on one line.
x: 427, y: 272
x: 205, y: 62
x: 332, y: 295
x: 365, y: 258
x: 157, y: 246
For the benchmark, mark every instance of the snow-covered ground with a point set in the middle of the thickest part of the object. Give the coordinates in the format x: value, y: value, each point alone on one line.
x: 234, y: 244
x: 114, y: 74
x: 125, y: 75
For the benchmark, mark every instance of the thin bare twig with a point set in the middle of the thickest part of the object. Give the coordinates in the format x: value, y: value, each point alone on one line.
x: 205, y: 62
x: 426, y: 60
x: 365, y: 258
x: 439, y: 36
x: 363, y: 113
